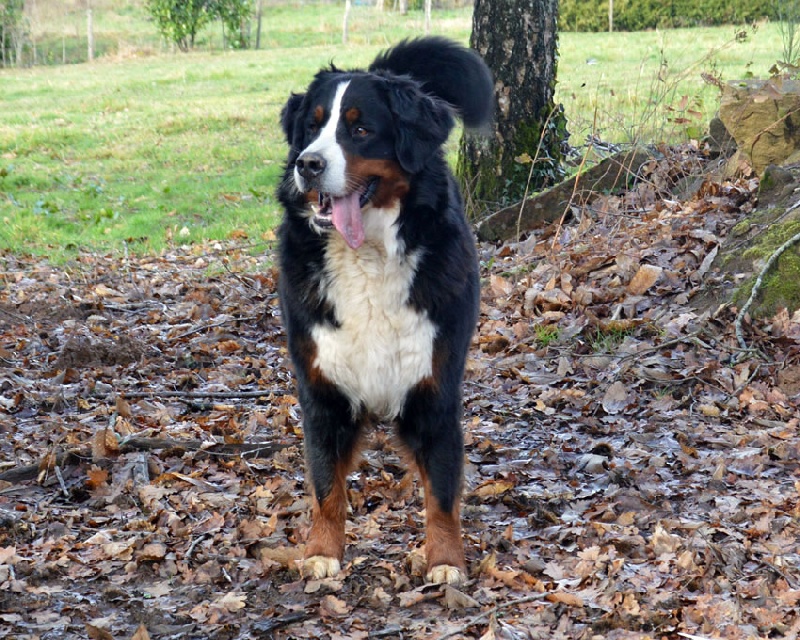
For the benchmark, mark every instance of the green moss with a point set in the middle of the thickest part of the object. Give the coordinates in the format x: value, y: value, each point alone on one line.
x: 741, y: 228
x: 781, y: 286
x: 767, y: 181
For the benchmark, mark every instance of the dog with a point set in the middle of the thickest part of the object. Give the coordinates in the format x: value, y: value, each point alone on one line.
x: 378, y: 285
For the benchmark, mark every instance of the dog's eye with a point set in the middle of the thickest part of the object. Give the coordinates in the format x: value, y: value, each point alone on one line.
x: 360, y: 132
x: 313, y: 127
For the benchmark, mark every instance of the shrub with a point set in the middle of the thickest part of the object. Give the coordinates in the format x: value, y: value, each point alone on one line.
x: 180, y: 21
x: 638, y: 15
x: 12, y: 31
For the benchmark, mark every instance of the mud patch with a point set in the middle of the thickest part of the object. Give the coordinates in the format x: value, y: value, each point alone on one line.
x: 82, y: 352
x: 38, y: 313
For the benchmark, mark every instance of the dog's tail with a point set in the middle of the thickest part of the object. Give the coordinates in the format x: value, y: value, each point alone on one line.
x: 453, y: 73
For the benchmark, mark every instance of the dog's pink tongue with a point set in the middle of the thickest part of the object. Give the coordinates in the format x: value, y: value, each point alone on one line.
x: 346, y: 217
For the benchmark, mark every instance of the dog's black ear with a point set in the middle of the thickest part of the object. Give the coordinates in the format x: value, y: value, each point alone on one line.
x: 422, y: 124
x: 289, y: 115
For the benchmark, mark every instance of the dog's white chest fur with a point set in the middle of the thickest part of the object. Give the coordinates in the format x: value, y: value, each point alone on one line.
x: 383, y: 346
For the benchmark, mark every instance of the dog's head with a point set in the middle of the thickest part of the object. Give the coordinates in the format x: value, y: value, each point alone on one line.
x: 356, y: 140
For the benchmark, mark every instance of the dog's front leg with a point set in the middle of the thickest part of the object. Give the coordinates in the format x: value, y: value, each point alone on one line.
x: 331, y: 439
x: 326, y: 540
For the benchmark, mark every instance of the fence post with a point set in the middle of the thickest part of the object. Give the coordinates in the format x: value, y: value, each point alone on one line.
x: 89, y: 35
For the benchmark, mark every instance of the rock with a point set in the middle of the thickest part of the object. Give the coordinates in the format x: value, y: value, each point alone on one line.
x: 720, y: 141
x: 751, y: 243
x: 763, y: 116
x: 776, y: 183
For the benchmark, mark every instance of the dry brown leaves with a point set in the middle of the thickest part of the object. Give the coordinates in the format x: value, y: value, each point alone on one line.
x: 628, y: 476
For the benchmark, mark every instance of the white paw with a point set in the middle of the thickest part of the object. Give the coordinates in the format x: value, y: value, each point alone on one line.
x: 446, y: 574
x: 319, y: 567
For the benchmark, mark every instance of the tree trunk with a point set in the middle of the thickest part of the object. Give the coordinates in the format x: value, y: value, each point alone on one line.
x: 258, y: 24
x: 518, y: 40
x: 347, y: 6
x: 89, y: 35
x: 427, y: 17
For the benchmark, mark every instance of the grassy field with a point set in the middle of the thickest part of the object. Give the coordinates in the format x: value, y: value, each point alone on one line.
x: 142, y: 149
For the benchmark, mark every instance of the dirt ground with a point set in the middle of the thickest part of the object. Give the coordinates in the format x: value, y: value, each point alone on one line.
x: 632, y: 471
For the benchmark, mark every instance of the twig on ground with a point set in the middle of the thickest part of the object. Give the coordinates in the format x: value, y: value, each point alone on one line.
x: 211, y: 325
x: 190, y: 551
x: 560, y: 224
x: 18, y: 317
x: 485, y: 614
x: 220, y: 395
x: 757, y: 286
x: 530, y: 173
x: 735, y: 393
x: 140, y: 474
x: 61, y: 481
x: 245, y: 450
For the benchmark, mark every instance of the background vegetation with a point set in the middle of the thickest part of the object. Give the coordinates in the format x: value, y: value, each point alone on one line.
x: 637, y: 15
x: 146, y: 146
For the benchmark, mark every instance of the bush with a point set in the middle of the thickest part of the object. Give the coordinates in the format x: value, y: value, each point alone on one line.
x: 639, y: 15
x: 12, y: 32
x: 180, y: 21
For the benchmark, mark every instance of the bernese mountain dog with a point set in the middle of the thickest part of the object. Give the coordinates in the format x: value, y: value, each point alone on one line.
x: 379, y: 281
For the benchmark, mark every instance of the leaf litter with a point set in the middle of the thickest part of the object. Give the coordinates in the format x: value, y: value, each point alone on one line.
x: 631, y: 473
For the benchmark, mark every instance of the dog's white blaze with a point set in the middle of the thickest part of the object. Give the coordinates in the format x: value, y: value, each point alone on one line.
x: 334, y: 179
x: 384, y: 346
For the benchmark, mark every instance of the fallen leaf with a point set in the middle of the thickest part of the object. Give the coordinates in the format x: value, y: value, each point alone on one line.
x: 492, y: 488
x: 664, y: 542
x: 332, y: 607
x: 646, y: 277
x: 96, y: 633
x: 562, y: 597
x: 96, y: 477
x: 615, y: 398
x: 140, y: 633
x: 152, y: 552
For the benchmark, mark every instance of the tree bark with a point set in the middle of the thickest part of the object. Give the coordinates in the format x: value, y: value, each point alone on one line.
x: 89, y: 35
x: 427, y: 17
x: 347, y: 6
x: 258, y: 24
x: 518, y: 40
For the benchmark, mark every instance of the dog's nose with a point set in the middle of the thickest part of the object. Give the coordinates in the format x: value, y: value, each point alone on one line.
x: 310, y: 165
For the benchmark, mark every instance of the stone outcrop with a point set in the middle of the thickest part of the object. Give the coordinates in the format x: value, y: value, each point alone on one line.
x: 763, y: 116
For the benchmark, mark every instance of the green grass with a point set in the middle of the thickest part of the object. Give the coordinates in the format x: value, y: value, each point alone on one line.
x: 648, y: 86
x: 148, y: 150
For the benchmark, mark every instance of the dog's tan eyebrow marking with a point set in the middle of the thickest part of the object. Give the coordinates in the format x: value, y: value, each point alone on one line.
x: 319, y: 114
x: 352, y: 114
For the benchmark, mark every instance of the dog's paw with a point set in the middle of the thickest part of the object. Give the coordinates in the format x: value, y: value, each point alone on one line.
x: 446, y: 574
x: 319, y: 567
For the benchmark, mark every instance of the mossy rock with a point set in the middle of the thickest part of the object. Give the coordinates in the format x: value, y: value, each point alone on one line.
x: 752, y: 242
x: 780, y: 287
x: 762, y: 116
